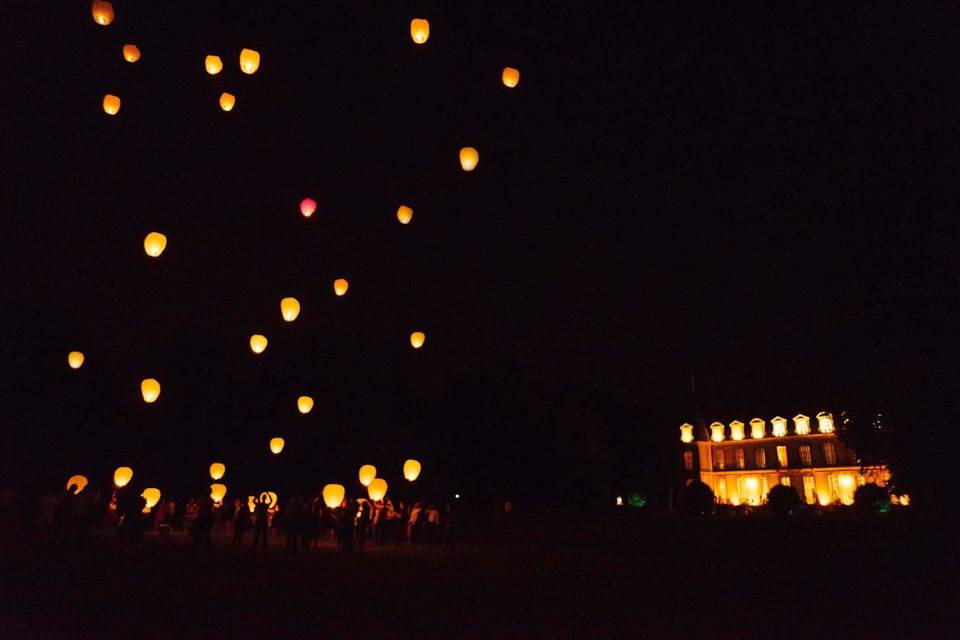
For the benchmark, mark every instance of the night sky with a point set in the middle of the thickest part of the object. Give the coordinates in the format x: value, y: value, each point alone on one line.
x: 735, y: 211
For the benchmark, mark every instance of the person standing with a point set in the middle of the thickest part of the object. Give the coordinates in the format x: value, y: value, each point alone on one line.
x: 260, y: 521
x: 241, y: 522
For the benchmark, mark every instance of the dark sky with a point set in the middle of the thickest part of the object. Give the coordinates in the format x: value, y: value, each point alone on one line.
x: 747, y: 193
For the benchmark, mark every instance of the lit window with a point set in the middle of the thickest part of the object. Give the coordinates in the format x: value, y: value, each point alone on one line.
x: 785, y: 481
x: 722, y: 489
x: 720, y: 462
x: 686, y: 433
x: 809, y: 494
x: 688, y: 460
x: 805, y: 456
x: 761, y: 458
x: 829, y: 453
x: 741, y: 461
x: 801, y: 424
x: 782, y: 457
x: 779, y: 426
x: 824, y: 422
x: 716, y: 432
x: 736, y: 430
x: 757, y: 428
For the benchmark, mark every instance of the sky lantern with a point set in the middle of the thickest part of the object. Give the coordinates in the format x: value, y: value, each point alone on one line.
x: 131, y: 52
x: 102, y: 12
x: 122, y: 476
x: 217, y: 492
x: 340, y: 286
x: 307, y: 207
x: 367, y: 473
x: 510, y: 77
x: 305, y: 404
x: 419, y: 30
x: 276, y: 445
x: 111, y: 104
x: 213, y: 64
x: 333, y: 495
x: 258, y: 343
x: 78, y: 481
x: 154, y: 244
x: 75, y: 359
x: 151, y: 497
x: 469, y: 158
x: 227, y: 100
x: 249, y: 61
x: 377, y: 489
x: 411, y: 470
x: 290, y: 309
x: 417, y: 339
x: 269, y: 498
x: 217, y: 469
x: 404, y: 214
x: 150, y: 389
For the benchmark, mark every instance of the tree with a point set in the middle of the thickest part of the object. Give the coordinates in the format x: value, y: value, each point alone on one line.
x: 871, y: 498
x: 698, y: 499
x: 783, y: 500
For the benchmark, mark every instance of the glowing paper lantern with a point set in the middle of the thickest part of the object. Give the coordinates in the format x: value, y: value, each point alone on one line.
x: 154, y: 244
x: 111, y: 104
x: 510, y: 77
x: 227, y: 100
x: 131, y: 52
x: 258, y: 343
x: 276, y: 445
x: 305, y: 404
x: 217, y: 469
x: 307, y: 207
x: 333, y: 495
x: 757, y: 428
x: 151, y: 496
x: 150, y: 389
x: 419, y: 30
x: 269, y: 498
x: 217, y: 491
x: 417, y: 338
x: 102, y: 12
x: 469, y: 158
x: 290, y: 309
x: 213, y: 64
x: 75, y: 359
x: 367, y: 473
x: 404, y: 214
x: 411, y: 470
x: 340, y: 286
x: 78, y: 481
x: 249, y: 61
x: 377, y: 489
x: 122, y: 476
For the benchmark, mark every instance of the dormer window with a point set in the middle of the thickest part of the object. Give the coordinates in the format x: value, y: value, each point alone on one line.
x: 716, y: 431
x: 686, y: 433
x: 801, y: 424
x: 757, y: 428
x: 736, y: 430
x: 824, y: 422
x: 779, y: 427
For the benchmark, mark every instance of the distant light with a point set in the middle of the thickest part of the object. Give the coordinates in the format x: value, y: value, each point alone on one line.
x: 78, y: 482
x: 227, y: 101
x: 411, y: 470
x: 404, y: 214
x: 213, y: 64
x: 510, y: 77
x: 417, y: 339
x: 131, y: 52
x: 150, y: 389
x: 217, y: 492
x: 122, y: 476
x: 377, y: 489
x: 457, y: 496
x: 469, y: 157
x: 276, y: 445
x: 258, y: 343
x: 249, y: 61
x: 367, y: 474
x: 305, y: 404
x: 111, y: 104
x: 102, y: 12
x: 307, y: 207
x: 217, y: 469
x: 75, y: 359
x: 151, y: 497
x: 154, y: 244
x: 290, y: 309
x: 619, y: 498
x: 419, y: 30
x: 340, y: 286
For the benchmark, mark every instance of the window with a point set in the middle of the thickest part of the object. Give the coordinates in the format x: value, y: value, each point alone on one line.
x: 761, y: 458
x: 736, y: 430
x: 801, y: 424
x: 722, y: 489
x: 808, y: 492
x: 825, y: 422
x: 720, y: 462
x: 782, y: 457
x: 716, y: 432
x: 829, y: 453
x: 779, y: 427
x: 741, y: 462
x: 805, y: 456
x: 785, y: 481
x: 688, y: 460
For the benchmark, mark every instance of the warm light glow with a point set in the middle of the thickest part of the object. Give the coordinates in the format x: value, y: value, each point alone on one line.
x: 252, y: 503
x: 131, y: 52
x: 779, y: 426
x: 417, y: 339
x: 511, y: 76
x: 217, y: 492
x: 102, y: 12
x: 333, y: 495
x: 304, y: 404
x: 340, y: 286
x: 757, y: 428
x: 377, y: 489
x: 411, y: 470
x: 227, y: 100
x: 154, y: 244
x: 249, y: 61
x: 736, y: 430
x: 905, y: 500
x: 824, y: 422
x: 75, y: 359
x: 619, y: 498
x: 258, y: 343
x: 419, y: 30
x: 367, y: 473
x: 78, y: 481
x: 686, y: 432
x: 213, y: 64
x: 823, y: 499
x: 307, y: 207
x: 150, y: 389
x: 122, y: 476
x: 716, y: 431
x: 751, y: 490
x: 276, y: 445
x: 217, y: 469
x: 290, y: 308
x: 111, y: 104
x: 269, y: 498
x: 469, y: 158
x: 404, y: 214
x: 801, y: 424
x: 151, y: 497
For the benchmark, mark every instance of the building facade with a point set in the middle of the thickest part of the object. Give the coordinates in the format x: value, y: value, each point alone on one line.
x: 742, y: 462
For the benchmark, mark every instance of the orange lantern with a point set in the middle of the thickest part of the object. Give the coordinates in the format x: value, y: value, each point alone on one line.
x: 227, y: 100
x: 102, y: 12
x: 340, y: 286
x: 122, y: 476
x: 419, y: 30
x: 307, y: 207
x: 78, y: 481
x: 258, y: 343
x: 131, y: 52
x: 213, y: 64
x: 249, y: 61
x: 75, y: 359
x: 404, y: 214
x: 217, y: 469
x: 469, y: 158
x: 333, y: 495
x: 510, y: 77
x: 367, y: 473
x: 290, y: 308
x: 305, y: 404
x: 276, y: 445
x: 417, y: 339
x: 154, y: 244
x: 411, y: 470
x: 150, y: 389
x: 151, y: 497
x: 377, y: 489
x: 217, y: 492
x: 111, y: 104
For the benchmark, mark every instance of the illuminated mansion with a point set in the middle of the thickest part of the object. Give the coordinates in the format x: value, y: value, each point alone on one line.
x: 742, y: 469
